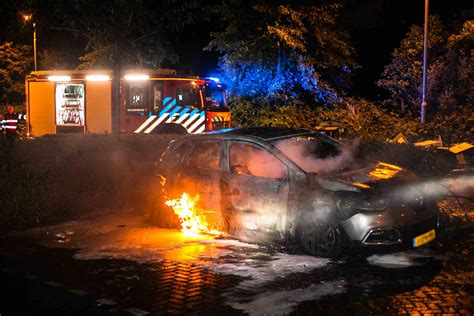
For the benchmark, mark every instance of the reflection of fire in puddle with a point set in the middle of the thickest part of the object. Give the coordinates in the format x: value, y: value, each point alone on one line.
x: 193, y: 221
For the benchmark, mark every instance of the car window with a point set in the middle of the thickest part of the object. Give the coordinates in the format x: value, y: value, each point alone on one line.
x: 245, y: 158
x: 174, y: 153
x: 205, y: 155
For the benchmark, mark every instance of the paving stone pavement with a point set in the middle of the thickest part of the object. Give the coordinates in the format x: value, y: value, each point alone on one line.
x: 170, y: 287
x: 451, y: 292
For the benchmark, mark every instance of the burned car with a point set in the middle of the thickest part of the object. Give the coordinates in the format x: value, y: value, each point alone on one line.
x: 295, y: 185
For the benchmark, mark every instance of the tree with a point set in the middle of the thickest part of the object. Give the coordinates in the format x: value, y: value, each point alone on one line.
x: 402, y: 77
x: 282, y: 52
x: 15, y: 62
x: 458, y: 64
x: 53, y: 59
x: 116, y: 32
x: 129, y: 33
x: 449, y: 74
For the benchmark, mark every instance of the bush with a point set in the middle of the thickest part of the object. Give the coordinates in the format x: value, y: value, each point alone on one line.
x: 427, y: 163
x: 358, y: 118
x: 56, y: 177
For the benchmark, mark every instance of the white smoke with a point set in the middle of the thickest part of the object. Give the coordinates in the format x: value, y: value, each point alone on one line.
x: 306, y: 155
x: 461, y: 186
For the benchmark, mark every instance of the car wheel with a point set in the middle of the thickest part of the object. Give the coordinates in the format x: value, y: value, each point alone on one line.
x: 323, y: 240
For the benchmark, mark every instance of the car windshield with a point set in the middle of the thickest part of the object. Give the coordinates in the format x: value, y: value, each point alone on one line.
x: 312, y: 153
x: 214, y: 96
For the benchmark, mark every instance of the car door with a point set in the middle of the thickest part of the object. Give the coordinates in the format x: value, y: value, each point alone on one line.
x: 199, y: 176
x: 255, y: 192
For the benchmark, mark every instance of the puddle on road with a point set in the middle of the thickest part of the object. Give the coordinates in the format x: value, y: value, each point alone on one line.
x: 397, y: 260
x: 274, y: 283
x: 257, y: 264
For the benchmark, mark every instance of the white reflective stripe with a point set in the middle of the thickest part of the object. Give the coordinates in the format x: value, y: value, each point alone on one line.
x: 191, y: 119
x: 182, y: 118
x: 145, y: 124
x: 156, y: 123
x: 11, y: 121
x: 171, y: 118
x: 200, y: 130
x: 10, y: 127
x: 200, y: 121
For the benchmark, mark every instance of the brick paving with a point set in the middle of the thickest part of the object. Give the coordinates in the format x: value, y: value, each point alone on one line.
x: 450, y: 292
x: 171, y: 287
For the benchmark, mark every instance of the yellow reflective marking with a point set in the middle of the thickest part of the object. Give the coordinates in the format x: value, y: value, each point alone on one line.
x: 424, y: 238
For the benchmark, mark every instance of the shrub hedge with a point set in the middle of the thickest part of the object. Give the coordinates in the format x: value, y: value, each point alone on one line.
x: 56, y: 177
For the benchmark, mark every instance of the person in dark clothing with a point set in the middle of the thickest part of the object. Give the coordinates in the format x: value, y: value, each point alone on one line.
x: 10, y: 126
x: 2, y: 136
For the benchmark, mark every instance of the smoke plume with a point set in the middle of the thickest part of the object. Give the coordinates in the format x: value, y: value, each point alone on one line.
x: 317, y: 156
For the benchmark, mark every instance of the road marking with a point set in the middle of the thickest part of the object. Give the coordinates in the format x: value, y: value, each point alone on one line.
x: 105, y: 301
x: 78, y: 292
x: 137, y: 311
x: 31, y: 276
x: 53, y: 283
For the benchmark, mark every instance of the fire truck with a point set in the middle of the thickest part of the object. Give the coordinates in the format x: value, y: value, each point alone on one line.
x: 151, y: 101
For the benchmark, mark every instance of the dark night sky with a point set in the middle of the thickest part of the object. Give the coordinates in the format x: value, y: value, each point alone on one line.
x: 376, y: 28
x: 380, y: 25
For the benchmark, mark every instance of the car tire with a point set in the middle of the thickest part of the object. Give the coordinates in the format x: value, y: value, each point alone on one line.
x: 322, y: 240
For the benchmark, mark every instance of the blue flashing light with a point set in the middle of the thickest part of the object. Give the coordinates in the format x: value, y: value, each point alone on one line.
x: 214, y: 79
x: 219, y: 131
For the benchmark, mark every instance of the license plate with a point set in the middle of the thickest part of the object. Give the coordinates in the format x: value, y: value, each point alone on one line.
x: 424, y: 238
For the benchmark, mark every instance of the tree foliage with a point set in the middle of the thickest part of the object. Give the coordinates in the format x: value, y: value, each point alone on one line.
x: 15, y: 62
x: 130, y: 33
x: 284, y: 52
x: 403, y: 76
x: 358, y: 118
x: 449, y: 74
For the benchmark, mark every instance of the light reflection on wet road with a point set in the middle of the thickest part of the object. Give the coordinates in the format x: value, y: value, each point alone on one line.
x: 131, y: 262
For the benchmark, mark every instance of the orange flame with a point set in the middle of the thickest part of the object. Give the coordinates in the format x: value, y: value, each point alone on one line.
x: 384, y: 170
x: 192, y: 223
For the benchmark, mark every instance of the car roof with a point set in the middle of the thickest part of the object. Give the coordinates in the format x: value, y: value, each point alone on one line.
x: 264, y: 133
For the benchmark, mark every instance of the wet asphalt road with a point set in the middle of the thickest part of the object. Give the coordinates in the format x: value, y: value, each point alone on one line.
x: 46, y: 272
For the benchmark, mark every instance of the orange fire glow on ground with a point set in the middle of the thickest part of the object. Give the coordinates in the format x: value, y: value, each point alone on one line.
x: 193, y: 221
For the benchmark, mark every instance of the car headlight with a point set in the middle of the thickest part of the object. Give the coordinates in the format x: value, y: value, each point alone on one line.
x: 350, y: 206
x: 377, y: 204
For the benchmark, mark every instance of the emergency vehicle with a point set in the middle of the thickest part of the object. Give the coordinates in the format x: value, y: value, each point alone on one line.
x: 151, y: 101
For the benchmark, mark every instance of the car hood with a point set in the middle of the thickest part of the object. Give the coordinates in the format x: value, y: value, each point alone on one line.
x: 376, y: 176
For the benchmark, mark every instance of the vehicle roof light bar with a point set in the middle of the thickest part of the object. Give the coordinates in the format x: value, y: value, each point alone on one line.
x: 136, y: 77
x: 59, y: 78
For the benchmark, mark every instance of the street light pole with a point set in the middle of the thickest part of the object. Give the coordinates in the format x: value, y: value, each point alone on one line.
x: 27, y: 18
x: 34, y: 45
x: 425, y: 54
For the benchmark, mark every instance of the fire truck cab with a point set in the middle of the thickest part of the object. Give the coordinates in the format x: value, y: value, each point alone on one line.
x: 166, y: 102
